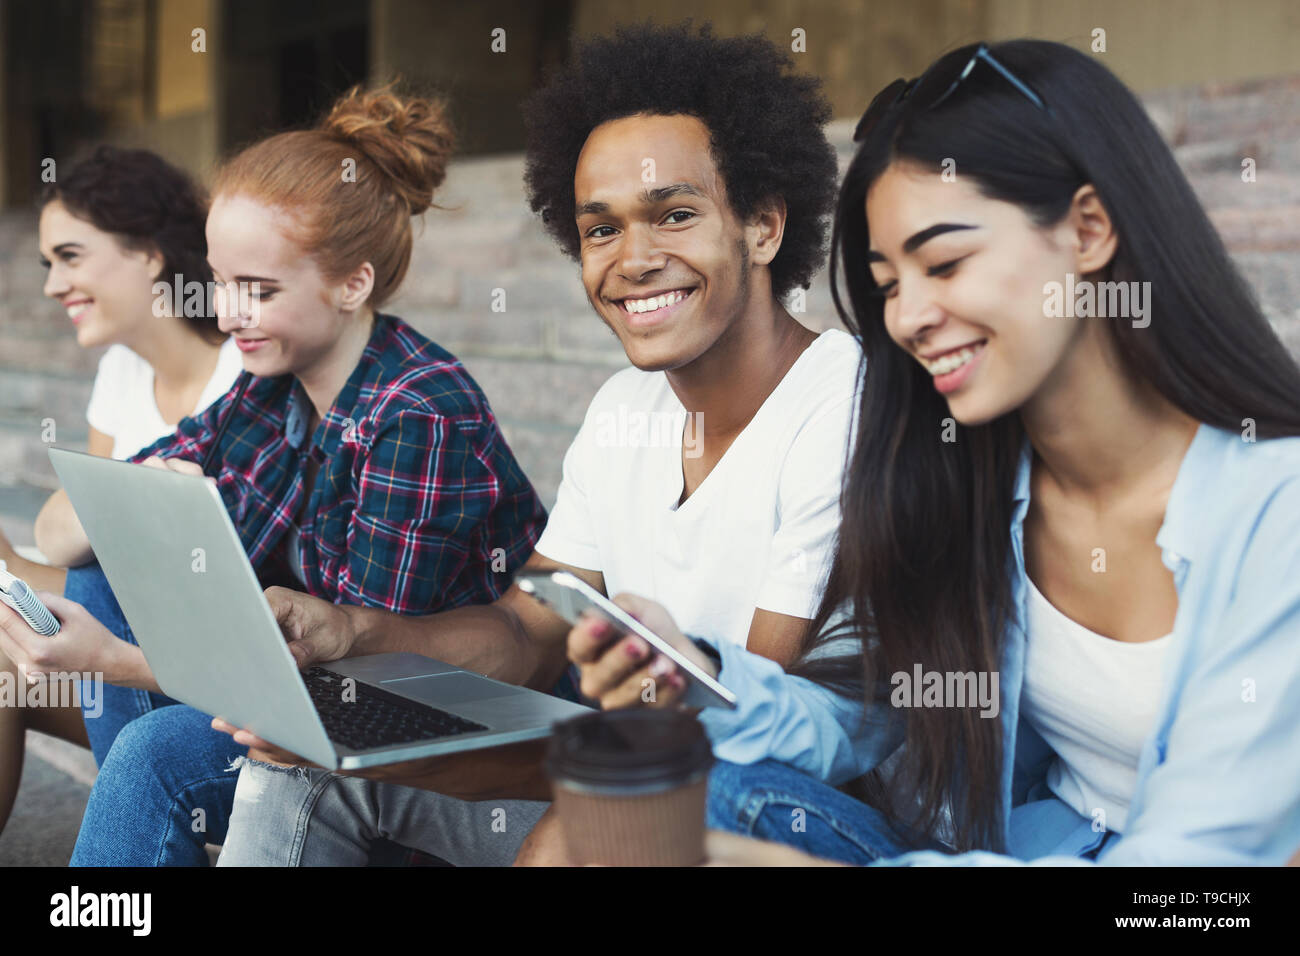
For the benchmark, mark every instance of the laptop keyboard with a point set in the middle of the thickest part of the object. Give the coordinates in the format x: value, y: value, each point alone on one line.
x: 372, y: 717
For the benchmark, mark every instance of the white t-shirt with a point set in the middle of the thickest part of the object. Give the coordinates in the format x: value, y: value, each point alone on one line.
x: 759, y: 531
x: 1093, y: 700
x: 122, y: 402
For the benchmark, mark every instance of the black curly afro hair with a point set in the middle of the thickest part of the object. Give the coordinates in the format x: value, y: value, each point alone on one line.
x: 765, y: 123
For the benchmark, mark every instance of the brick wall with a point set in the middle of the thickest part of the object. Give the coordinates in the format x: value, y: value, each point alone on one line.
x: 542, y: 359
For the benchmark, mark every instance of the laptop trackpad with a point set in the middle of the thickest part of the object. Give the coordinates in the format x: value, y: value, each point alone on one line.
x: 447, y: 690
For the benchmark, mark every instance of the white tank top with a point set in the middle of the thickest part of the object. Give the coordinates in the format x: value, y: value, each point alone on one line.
x: 1093, y: 700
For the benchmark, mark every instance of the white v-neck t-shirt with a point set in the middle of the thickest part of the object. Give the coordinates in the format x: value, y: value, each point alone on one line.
x: 122, y: 401
x: 758, y: 532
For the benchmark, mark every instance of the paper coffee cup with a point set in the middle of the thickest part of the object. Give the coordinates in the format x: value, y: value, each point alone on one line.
x: 630, y: 787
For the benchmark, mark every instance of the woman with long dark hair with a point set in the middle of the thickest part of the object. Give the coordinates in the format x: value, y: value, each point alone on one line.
x: 112, y: 228
x: 1069, y: 557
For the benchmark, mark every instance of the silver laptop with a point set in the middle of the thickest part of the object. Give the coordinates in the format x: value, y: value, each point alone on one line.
x: 180, y: 573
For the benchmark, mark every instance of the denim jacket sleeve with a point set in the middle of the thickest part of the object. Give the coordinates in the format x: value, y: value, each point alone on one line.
x: 1222, y: 786
x: 796, y: 721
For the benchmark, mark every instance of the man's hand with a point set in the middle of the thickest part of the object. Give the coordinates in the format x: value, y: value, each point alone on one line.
x: 317, y: 631
x: 622, y: 670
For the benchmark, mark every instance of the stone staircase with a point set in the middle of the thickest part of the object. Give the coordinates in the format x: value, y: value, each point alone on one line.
x: 1213, y: 129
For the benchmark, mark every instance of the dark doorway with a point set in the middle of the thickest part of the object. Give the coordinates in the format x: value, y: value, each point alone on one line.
x: 285, y: 62
x: 46, y: 113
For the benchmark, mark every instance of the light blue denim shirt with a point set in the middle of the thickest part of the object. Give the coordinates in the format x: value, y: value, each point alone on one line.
x: 1218, y: 778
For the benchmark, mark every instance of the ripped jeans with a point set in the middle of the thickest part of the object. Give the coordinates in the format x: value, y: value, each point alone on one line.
x: 164, y: 787
x: 299, y: 816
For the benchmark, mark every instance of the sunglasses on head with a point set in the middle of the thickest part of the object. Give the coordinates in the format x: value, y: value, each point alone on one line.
x: 931, y: 89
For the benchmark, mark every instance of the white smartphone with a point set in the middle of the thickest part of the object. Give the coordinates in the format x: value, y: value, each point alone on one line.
x: 15, y: 592
x: 569, y: 596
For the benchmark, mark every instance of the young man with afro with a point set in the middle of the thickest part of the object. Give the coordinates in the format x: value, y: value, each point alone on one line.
x: 690, y: 177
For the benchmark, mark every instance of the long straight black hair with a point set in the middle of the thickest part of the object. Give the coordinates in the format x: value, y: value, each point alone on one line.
x: 924, y: 563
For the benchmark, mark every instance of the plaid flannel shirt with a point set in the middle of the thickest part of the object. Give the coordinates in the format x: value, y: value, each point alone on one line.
x: 418, y: 503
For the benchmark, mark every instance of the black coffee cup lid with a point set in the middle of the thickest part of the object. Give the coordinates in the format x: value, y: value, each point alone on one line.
x: 629, y: 750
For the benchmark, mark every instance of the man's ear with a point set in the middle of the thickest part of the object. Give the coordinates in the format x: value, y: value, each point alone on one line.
x: 357, y: 287
x: 1093, y: 231
x: 765, y: 229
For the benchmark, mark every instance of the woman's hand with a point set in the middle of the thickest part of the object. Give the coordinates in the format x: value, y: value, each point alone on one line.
x: 510, y: 771
x: 178, y: 465
x: 316, y: 630
x: 622, y: 670
x: 731, y: 849
x: 259, y: 749
x: 82, y: 646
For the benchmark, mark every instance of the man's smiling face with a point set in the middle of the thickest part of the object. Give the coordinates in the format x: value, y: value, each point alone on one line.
x: 664, y: 259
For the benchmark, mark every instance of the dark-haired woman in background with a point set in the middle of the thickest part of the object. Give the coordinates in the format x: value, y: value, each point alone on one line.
x: 112, y: 226
x: 362, y: 465
x: 1103, y: 513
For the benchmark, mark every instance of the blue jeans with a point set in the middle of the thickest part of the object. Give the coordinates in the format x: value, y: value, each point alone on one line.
x: 771, y: 801
x: 164, y: 788
x: 88, y: 587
